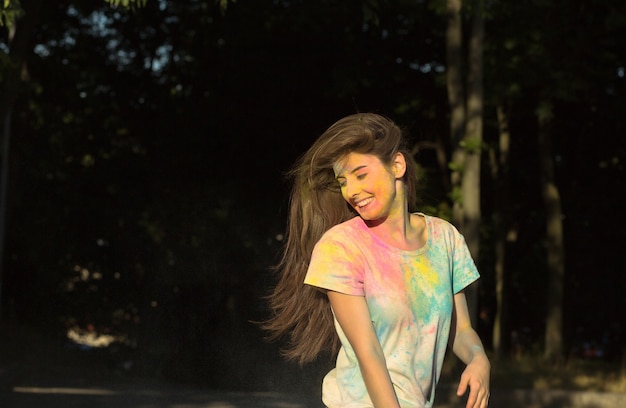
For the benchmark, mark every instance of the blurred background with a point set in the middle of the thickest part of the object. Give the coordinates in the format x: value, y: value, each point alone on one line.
x: 144, y: 146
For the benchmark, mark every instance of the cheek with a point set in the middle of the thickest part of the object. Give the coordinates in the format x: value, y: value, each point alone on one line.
x: 344, y: 194
x: 381, y: 186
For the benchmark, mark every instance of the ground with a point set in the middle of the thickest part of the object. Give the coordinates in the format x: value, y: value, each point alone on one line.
x: 34, y: 373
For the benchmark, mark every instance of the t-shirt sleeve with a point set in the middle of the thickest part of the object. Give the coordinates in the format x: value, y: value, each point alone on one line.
x: 334, y: 267
x: 464, y: 271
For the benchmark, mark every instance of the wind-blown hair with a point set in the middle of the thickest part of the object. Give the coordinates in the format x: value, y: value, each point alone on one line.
x: 301, y: 313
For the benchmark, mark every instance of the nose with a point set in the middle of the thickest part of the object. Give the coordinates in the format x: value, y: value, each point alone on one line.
x: 351, y: 189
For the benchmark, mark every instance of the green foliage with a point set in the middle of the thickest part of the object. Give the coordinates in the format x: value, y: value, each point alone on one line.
x: 127, y: 3
x: 455, y: 166
x: 472, y: 144
x: 11, y: 11
x: 545, y: 111
x: 371, y: 12
x: 456, y: 195
x: 7, y: 66
x: 223, y: 4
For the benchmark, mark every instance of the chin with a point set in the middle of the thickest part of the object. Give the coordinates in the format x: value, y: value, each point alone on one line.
x: 369, y: 217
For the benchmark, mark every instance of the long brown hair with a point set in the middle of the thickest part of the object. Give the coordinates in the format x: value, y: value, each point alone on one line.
x: 301, y: 313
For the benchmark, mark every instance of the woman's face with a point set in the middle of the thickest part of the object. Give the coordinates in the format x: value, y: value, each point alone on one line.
x: 371, y: 187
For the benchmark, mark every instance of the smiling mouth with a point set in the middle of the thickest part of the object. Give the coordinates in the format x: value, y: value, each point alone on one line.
x: 363, y: 203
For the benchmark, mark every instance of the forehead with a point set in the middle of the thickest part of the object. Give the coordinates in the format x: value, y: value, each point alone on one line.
x: 352, y: 161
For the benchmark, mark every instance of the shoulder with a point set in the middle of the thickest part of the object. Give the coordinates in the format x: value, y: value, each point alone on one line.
x: 340, y: 245
x: 345, y: 238
x: 443, y: 232
x: 440, y: 225
x: 345, y: 231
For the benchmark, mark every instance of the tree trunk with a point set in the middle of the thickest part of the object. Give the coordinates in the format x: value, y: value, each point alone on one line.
x: 456, y: 99
x: 554, y: 239
x: 500, y: 174
x: 472, y: 144
x: 4, y: 182
x: 20, y: 37
x: 466, y: 127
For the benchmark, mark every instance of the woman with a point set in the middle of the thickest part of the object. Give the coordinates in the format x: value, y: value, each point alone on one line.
x: 389, y: 279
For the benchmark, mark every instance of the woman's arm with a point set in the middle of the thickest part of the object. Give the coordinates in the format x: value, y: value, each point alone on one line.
x: 355, y: 321
x: 467, y: 346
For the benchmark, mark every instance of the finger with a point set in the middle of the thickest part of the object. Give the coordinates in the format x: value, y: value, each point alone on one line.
x: 472, y: 399
x: 462, y: 387
x: 461, y: 390
x: 482, y: 399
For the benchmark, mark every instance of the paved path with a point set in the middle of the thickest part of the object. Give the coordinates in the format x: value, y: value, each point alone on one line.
x: 70, y: 391
x: 143, y: 397
x: 23, y: 386
x: 127, y: 396
x: 170, y: 397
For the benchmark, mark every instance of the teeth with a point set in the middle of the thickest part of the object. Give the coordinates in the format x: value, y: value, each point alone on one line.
x: 365, y: 202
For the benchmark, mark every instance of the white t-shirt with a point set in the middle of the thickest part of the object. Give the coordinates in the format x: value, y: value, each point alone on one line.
x: 410, y: 299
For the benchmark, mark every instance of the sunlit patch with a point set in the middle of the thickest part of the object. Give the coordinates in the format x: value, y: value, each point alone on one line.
x: 90, y: 338
x: 60, y: 390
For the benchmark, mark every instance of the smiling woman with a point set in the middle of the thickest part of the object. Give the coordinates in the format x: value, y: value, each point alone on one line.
x: 366, y: 274
x: 369, y: 186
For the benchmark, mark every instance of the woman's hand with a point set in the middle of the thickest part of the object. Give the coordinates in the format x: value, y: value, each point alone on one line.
x: 476, y: 377
x: 467, y: 346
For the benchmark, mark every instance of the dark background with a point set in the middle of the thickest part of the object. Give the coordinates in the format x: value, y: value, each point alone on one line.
x: 146, y: 195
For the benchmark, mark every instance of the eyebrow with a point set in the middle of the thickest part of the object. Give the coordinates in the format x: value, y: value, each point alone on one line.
x: 357, y: 168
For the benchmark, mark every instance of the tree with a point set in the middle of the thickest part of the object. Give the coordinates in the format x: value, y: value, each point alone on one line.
x: 549, y: 80
x: 500, y: 170
x: 554, y: 237
x: 20, y: 18
x: 14, y: 73
x: 506, y: 75
x: 466, y: 124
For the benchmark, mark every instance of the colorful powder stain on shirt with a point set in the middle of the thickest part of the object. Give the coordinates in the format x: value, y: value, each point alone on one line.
x: 410, y: 298
x: 422, y: 283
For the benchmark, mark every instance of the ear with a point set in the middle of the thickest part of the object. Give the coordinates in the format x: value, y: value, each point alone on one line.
x: 398, y: 165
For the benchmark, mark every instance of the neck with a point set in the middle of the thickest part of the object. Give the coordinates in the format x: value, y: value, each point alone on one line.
x: 395, y: 229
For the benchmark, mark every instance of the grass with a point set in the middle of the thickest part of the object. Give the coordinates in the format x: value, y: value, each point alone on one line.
x: 574, y: 374
x: 532, y: 373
